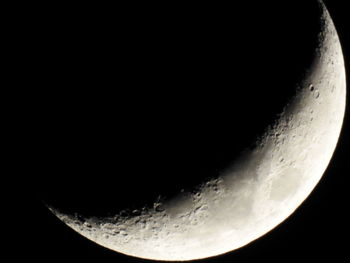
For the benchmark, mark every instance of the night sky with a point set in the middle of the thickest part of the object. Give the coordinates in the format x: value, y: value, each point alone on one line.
x: 131, y: 97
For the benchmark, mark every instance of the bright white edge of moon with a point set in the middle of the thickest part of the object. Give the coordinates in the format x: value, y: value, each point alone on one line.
x: 253, y: 196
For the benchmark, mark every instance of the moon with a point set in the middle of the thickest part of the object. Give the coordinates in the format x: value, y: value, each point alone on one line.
x: 257, y: 192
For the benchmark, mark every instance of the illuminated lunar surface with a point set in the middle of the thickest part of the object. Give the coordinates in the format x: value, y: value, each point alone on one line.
x: 256, y: 193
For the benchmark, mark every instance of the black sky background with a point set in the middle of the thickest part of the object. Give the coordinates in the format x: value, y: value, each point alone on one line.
x: 317, y: 230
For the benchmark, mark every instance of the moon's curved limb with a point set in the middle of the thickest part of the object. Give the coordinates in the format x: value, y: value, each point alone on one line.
x: 257, y: 192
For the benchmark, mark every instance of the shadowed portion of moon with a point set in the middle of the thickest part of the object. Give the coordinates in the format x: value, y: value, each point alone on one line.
x: 159, y: 101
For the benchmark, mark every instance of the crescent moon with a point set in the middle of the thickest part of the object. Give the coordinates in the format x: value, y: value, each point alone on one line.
x: 257, y: 192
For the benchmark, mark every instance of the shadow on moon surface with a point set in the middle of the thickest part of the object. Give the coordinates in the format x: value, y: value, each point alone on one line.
x: 166, y: 103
